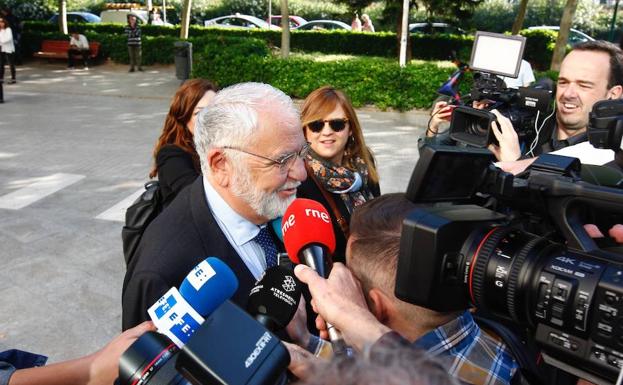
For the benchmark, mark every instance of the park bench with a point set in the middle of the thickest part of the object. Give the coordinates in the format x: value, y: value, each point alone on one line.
x: 57, y: 49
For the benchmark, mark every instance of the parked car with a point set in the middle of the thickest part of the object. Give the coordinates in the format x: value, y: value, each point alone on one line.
x: 295, y: 21
x: 431, y: 28
x: 78, y: 17
x: 575, y: 36
x: 120, y: 16
x: 239, y: 21
x: 323, y: 25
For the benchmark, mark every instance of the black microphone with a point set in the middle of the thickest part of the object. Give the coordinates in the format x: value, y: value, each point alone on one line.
x: 274, y: 299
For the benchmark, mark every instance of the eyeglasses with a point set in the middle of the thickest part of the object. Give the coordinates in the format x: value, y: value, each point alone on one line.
x: 284, y: 163
x: 336, y: 125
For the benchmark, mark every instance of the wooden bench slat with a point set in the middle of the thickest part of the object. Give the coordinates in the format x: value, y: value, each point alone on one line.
x: 57, y: 49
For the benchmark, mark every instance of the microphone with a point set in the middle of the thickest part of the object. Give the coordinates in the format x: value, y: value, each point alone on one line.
x: 179, y: 313
x: 309, y: 239
x: 274, y: 299
x: 308, y: 235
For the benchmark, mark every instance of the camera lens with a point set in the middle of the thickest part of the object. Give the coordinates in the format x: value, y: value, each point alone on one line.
x: 478, y: 127
x: 150, y: 360
x: 503, y: 269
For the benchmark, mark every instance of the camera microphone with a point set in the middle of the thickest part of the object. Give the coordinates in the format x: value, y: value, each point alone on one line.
x: 178, y: 314
x: 309, y: 239
x: 274, y: 299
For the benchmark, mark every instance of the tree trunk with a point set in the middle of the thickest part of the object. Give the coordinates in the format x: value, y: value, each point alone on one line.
x: 285, y: 29
x: 399, y: 36
x: 62, y: 16
x: 404, y: 33
x: 164, y: 11
x: 563, y: 34
x: 185, y: 22
x: 521, y: 14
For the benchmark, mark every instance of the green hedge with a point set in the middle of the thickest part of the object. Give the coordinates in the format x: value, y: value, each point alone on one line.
x: 539, y: 47
x: 377, y: 81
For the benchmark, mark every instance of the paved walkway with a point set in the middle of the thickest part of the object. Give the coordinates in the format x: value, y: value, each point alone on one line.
x: 75, y: 149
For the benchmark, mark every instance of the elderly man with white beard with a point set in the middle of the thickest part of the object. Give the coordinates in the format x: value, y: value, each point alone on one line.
x: 251, y: 147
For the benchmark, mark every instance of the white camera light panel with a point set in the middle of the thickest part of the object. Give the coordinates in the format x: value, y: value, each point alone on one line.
x: 497, y: 53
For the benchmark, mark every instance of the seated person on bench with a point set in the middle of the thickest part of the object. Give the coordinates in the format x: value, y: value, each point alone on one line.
x: 78, y: 45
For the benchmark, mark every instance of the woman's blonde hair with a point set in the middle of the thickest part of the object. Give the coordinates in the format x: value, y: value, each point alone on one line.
x: 320, y: 103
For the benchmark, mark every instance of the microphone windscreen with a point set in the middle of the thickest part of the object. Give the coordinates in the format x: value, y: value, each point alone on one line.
x: 275, y: 296
x: 306, y: 222
x: 208, y: 285
x: 276, y: 225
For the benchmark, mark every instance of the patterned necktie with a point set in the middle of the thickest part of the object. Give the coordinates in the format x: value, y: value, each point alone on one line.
x: 266, y: 242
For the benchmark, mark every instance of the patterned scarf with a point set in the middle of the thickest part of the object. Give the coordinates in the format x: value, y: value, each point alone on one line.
x: 351, y: 186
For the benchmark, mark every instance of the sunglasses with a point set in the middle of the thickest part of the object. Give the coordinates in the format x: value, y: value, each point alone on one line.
x: 336, y: 125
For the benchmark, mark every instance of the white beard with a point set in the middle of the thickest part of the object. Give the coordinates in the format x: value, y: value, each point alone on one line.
x: 267, y: 205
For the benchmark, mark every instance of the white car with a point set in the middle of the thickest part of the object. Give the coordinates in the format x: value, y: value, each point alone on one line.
x: 323, y: 25
x: 239, y: 21
x: 575, y: 36
x: 120, y: 16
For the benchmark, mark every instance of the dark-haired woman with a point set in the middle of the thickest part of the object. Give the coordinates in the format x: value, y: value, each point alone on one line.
x: 176, y: 161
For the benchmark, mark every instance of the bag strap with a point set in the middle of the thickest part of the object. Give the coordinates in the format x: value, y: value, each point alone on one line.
x: 341, y: 221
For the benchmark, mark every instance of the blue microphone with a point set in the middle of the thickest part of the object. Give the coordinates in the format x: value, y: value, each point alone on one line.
x: 208, y: 285
x: 178, y: 314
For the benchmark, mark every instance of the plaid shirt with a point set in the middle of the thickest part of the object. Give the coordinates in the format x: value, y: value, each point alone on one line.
x: 470, y: 354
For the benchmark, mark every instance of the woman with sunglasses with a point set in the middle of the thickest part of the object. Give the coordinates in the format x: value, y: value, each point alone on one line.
x: 340, y: 169
x: 176, y: 162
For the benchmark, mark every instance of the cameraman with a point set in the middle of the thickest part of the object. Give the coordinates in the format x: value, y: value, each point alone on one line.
x: 471, y: 354
x: 591, y: 72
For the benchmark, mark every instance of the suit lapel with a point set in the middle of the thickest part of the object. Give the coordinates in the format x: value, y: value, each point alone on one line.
x: 215, y: 243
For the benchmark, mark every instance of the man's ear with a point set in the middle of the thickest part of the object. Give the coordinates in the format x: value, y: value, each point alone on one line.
x: 379, y: 304
x: 220, y: 167
x: 615, y: 92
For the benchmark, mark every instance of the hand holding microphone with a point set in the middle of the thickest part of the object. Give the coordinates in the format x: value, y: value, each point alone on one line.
x: 339, y: 300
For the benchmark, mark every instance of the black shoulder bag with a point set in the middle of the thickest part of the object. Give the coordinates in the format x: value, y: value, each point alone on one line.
x: 139, y: 215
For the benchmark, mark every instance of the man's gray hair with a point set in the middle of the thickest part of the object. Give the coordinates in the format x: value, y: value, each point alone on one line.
x: 233, y: 116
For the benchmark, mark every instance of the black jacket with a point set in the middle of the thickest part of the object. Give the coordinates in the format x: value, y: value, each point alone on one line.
x: 176, y: 170
x: 183, y: 235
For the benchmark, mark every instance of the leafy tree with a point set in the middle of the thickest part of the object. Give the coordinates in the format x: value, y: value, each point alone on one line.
x: 355, y: 5
x: 449, y: 9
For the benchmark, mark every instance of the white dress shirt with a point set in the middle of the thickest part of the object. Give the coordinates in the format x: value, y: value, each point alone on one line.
x: 81, y: 42
x: 238, y: 231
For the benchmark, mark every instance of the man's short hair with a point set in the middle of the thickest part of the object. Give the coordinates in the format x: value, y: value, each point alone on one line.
x: 233, y: 116
x: 382, y: 364
x: 375, y: 240
x: 616, y: 58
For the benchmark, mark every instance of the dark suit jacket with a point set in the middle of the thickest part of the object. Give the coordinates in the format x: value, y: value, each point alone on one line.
x: 183, y: 235
x: 308, y: 189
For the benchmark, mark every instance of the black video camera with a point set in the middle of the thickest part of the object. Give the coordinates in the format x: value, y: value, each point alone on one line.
x: 497, y: 54
x: 515, y: 248
x: 605, y: 125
